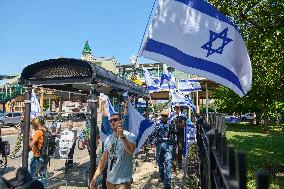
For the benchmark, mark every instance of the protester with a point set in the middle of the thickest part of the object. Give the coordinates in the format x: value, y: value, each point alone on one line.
x: 19, y: 139
x: 178, y: 118
x: 118, y: 150
x: 38, y: 165
x: 70, y: 161
x: 55, y: 126
x: 164, y: 134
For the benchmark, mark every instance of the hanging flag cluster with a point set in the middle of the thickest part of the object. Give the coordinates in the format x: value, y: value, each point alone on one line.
x: 194, y: 37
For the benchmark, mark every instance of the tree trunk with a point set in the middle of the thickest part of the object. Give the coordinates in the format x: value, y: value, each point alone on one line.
x: 265, y: 116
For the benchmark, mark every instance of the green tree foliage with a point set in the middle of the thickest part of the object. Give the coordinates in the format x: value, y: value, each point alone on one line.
x: 261, y: 23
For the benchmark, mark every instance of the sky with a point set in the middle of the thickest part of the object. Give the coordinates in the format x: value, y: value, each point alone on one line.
x: 32, y: 30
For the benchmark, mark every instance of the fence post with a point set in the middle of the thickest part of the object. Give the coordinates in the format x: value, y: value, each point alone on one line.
x: 231, y: 161
x: 218, y: 143
x: 262, y: 181
x: 210, y: 162
x: 241, y: 170
x: 224, y: 150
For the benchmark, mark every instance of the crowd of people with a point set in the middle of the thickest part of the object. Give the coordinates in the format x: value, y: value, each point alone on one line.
x: 116, y: 161
x: 168, y: 137
x: 46, y: 141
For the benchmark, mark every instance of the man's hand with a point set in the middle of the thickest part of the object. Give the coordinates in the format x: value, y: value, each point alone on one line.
x: 119, y: 130
x: 93, y: 183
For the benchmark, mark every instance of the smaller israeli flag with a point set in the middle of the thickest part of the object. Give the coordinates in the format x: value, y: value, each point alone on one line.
x: 105, y: 126
x: 189, y: 137
x: 190, y: 103
x: 139, y: 126
x: 182, y: 100
x: 167, y: 80
x: 35, y: 107
x: 186, y: 86
x: 153, y: 85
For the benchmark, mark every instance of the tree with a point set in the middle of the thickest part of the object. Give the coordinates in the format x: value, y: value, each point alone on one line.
x: 262, y: 26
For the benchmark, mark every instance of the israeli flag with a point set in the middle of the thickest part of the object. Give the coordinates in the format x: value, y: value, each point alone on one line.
x: 105, y: 126
x: 139, y: 126
x: 141, y: 103
x: 194, y: 37
x: 35, y: 107
x: 182, y: 100
x: 190, y: 103
x: 153, y: 85
x: 189, y: 137
x: 167, y: 80
x: 186, y: 86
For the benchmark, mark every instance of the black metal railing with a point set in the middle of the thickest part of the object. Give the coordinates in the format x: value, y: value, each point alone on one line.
x: 220, y: 166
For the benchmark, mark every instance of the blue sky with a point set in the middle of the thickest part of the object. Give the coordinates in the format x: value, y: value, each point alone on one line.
x: 32, y: 31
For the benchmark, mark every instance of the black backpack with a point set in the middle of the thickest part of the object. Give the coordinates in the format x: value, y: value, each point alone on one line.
x: 48, y: 145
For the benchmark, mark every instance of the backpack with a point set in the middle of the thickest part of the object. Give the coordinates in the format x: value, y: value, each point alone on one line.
x: 48, y: 145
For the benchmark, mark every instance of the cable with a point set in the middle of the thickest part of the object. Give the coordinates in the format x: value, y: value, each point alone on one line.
x: 146, y: 27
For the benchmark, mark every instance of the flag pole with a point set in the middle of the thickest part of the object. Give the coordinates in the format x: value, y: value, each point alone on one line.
x: 207, y: 102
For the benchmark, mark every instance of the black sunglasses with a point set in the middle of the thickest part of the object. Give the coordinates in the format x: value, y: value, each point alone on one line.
x: 114, y: 120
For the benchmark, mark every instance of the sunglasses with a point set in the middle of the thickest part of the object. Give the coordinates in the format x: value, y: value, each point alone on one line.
x: 114, y: 120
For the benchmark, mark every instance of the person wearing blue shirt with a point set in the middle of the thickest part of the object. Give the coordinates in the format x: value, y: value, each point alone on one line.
x: 118, y: 150
x: 164, y: 134
x: 179, y: 119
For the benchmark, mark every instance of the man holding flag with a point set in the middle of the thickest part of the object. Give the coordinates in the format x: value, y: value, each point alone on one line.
x: 118, y: 150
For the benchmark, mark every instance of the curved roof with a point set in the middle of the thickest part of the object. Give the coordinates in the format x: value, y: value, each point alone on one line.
x: 76, y: 75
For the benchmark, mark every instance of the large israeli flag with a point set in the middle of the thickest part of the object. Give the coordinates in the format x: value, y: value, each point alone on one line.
x: 153, y: 85
x: 35, y: 107
x: 105, y: 126
x: 139, y: 126
x: 194, y: 37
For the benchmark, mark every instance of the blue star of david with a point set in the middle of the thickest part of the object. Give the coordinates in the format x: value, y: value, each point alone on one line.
x: 213, y: 36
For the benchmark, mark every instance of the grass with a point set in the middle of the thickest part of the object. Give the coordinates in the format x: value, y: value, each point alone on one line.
x: 264, y: 148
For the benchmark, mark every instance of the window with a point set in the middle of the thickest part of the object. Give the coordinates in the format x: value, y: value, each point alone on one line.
x: 9, y: 115
x: 17, y: 114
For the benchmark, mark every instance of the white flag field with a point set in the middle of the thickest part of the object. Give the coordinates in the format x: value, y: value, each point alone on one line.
x: 194, y: 37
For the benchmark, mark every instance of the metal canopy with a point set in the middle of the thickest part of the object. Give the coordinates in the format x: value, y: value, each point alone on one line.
x: 76, y: 75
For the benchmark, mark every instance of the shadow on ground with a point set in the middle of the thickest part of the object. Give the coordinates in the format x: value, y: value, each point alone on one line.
x: 76, y: 176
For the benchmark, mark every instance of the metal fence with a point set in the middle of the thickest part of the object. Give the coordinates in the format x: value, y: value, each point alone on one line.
x: 220, y: 166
